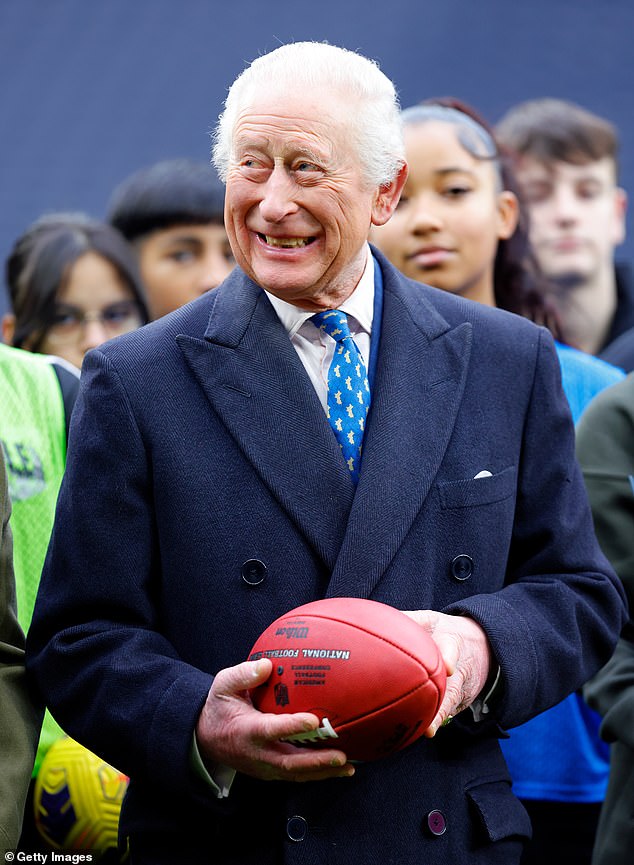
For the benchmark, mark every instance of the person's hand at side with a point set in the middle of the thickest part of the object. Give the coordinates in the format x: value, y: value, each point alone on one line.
x: 232, y: 732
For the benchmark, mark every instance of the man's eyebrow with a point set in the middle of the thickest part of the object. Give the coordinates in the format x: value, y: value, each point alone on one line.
x: 294, y: 151
x: 247, y: 140
x: 309, y: 155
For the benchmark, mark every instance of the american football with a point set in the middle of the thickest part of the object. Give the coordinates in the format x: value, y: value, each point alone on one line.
x: 374, y: 678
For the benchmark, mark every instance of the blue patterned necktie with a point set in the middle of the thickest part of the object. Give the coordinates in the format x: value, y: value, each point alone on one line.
x: 348, y: 388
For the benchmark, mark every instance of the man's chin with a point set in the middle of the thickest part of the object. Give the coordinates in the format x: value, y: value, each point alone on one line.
x: 567, y: 280
x: 292, y: 290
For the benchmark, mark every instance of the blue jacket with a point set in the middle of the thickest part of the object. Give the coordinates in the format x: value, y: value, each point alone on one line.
x: 559, y: 755
x: 205, y: 495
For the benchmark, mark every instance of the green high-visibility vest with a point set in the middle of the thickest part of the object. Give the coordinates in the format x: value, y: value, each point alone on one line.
x: 33, y: 439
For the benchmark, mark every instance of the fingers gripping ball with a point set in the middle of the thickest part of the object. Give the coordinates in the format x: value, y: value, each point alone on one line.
x: 374, y: 678
x: 78, y: 799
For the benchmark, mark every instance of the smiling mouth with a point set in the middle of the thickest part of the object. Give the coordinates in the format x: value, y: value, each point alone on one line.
x: 286, y: 242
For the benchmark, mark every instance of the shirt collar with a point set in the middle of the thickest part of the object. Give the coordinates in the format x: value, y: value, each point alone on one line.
x: 360, y: 304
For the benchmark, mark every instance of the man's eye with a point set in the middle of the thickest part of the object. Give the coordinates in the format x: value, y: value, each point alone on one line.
x: 307, y: 171
x: 588, y: 191
x: 253, y: 169
x: 536, y: 193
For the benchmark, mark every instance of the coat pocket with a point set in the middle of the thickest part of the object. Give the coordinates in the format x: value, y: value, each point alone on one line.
x: 499, y: 812
x: 481, y: 491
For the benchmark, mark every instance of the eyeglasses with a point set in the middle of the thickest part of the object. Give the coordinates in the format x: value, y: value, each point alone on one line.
x: 68, y: 322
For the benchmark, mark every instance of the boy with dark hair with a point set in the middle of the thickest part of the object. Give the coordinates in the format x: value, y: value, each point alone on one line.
x: 566, y: 163
x: 172, y: 213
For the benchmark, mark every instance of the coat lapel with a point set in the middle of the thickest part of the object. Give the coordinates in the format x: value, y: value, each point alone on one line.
x: 420, y: 377
x: 257, y: 385
x: 253, y: 378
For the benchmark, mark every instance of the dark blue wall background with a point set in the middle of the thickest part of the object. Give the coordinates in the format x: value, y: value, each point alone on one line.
x: 90, y: 90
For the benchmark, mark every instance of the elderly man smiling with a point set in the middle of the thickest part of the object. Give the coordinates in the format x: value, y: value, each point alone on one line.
x: 220, y: 475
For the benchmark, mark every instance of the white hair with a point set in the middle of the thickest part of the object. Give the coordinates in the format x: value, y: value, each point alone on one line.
x: 375, y: 121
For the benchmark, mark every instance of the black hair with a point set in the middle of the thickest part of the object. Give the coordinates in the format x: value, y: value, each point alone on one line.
x: 518, y: 283
x: 39, y: 265
x: 169, y: 193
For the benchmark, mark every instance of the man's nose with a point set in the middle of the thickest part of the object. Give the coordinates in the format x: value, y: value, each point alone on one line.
x: 565, y: 205
x: 278, y: 195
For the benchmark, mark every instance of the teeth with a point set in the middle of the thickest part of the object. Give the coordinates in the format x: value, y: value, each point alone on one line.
x: 287, y: 242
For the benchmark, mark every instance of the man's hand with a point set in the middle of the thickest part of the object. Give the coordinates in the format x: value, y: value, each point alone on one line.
x: 467, y: 655
x: 232, y: 732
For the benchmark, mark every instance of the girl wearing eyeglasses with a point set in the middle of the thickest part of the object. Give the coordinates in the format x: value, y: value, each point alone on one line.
x: 73, y: 284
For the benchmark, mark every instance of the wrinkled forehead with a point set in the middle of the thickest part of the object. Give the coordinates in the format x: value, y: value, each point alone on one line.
x: 318, y: 103
x: 319, y: 121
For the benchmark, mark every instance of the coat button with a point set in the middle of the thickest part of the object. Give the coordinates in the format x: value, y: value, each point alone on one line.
x: 253, y: 572
x: 296, y: 828
x: 461, y: 567
x: 436, y: 823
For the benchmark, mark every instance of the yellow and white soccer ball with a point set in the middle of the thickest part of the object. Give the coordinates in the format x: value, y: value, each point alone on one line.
x: 77, y: 799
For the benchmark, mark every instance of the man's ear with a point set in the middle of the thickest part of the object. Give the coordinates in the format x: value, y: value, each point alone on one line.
x: 508, y: 214
x: 8, y: 328
x: 387, y: 196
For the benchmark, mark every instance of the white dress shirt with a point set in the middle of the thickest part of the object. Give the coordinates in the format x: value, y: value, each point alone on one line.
x: 313, y: 345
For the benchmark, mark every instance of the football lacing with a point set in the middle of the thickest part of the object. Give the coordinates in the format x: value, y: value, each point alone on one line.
x: 324, y: 732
